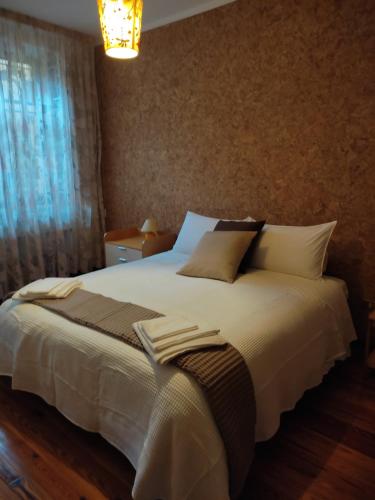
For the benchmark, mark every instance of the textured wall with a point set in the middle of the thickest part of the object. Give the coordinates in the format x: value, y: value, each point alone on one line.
x: 260, y: 107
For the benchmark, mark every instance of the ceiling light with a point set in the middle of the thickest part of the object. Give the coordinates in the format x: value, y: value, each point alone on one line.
x: 121, y: 23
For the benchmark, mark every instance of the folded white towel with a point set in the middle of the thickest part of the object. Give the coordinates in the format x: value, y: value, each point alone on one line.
x: 171, y: 352
x: 40, y: 287
x: 166, y: 326
x: 48, y: 288
x: 165, y: 356
x: 176, y: 339
x: 65, y: 288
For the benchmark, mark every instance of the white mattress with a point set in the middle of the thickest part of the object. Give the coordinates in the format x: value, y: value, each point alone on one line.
x: 290, y: 330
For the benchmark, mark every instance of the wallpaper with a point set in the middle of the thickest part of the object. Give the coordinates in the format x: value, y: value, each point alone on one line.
x: 255, y: 108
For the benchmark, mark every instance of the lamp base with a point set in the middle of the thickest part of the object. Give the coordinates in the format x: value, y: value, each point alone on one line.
x: 149, y: 236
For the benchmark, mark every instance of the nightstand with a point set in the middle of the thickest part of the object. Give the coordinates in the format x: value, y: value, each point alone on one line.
x: 128, y: 245
x: 370, y: 349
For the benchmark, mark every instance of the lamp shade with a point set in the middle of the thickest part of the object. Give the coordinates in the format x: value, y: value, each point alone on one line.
x: 121, y: 23
x: 149, y: 226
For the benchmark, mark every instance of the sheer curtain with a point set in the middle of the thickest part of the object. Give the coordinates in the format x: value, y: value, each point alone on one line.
x: 51, y: 216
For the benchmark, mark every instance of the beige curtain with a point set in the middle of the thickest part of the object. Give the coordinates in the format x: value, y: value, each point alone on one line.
x: 51, y: 214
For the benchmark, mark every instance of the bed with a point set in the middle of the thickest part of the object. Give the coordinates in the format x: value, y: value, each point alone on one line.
x: 290, y: 331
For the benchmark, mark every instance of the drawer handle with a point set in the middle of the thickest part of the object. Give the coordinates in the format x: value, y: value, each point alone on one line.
x: 123, y: 249
x: 122, y: 259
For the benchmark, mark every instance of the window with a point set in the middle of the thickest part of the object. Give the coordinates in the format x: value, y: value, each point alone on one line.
x: 38, y: 163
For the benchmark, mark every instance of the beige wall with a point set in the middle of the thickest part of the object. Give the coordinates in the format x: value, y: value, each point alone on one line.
x: 259, y: 107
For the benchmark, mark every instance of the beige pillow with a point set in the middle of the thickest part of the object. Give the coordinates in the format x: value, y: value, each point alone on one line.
x: 218, y: 255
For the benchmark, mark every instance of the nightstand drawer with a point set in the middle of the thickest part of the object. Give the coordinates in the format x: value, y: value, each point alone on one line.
x: 128, y: 245
x: 119, y: 254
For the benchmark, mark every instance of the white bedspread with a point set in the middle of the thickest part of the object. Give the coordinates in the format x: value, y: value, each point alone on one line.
x: 290, y: 331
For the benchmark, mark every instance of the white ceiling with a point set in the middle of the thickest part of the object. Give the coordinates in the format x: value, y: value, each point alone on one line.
x: 82, y: 15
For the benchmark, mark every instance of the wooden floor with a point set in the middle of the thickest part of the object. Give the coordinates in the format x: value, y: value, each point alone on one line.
x: 325, y: 448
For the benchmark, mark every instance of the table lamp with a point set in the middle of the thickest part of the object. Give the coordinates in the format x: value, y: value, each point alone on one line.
x: 150, y: 228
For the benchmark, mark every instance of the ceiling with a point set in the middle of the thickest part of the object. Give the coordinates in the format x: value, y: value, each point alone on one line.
x: 81, y: 15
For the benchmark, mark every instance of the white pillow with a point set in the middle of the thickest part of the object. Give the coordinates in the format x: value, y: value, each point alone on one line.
x: 192, y: 230
x: 293, y: 249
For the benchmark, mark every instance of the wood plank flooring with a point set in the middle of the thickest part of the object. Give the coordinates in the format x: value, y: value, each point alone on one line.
x: 325, y: 449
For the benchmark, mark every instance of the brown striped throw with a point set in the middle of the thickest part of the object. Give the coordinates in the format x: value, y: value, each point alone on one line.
x: 220, y: 371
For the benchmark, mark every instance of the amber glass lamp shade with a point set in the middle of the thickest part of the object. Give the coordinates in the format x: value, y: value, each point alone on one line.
x: 121, y: 24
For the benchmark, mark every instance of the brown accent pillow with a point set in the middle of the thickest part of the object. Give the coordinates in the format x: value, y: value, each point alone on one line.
x: 218, y: 255
x: 231, y: 225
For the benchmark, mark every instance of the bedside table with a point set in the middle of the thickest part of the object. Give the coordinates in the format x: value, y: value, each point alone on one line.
x: 128, y: 245
x: 369, y: 350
